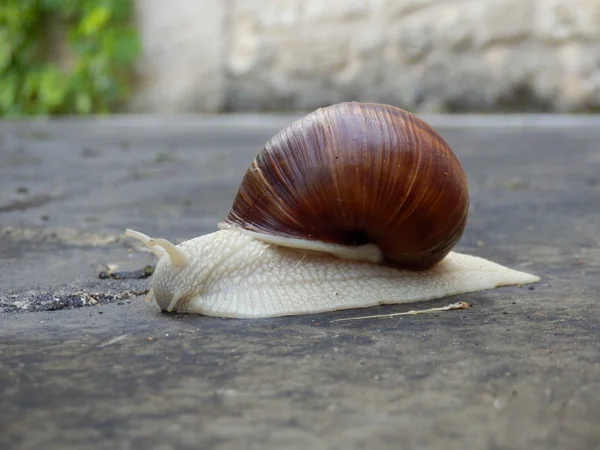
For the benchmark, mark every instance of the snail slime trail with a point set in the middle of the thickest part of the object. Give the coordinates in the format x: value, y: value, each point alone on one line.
x: 354, y: 205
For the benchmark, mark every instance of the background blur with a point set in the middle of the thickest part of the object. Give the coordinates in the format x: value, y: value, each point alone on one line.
x: 185, y: 56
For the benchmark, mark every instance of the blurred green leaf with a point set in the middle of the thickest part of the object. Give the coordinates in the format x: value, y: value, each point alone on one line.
x: 94, y: 21
x: 53, y: 88
x: 83, y: 103
x: 66, y: 8
x: 5, y: 50
x: 26, y: 53
x: 31, y: 83
x: 96, y: 77
x: 122, y: 45
x: 8, y: 90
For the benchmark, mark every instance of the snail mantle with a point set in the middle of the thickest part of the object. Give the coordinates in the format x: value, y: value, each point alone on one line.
x: 354, y: 205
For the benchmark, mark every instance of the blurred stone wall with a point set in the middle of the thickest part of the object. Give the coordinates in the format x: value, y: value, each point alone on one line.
x: 423, y: 55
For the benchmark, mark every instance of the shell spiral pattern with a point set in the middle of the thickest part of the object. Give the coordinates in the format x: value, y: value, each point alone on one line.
x: 358, y: 173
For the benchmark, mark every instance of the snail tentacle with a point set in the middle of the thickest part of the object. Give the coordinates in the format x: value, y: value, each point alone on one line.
x: 176, y: 255
x: 160, y: 247
x: 149, y: 296
x: 145, y: 239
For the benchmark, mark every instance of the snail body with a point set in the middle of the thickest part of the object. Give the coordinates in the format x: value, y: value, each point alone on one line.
x: 354, y: 205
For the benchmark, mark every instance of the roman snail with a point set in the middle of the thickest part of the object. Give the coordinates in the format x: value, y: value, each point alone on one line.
x: 354, y: 205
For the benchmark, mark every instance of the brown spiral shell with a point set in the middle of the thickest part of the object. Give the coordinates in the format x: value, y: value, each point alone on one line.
x: 357, y: 173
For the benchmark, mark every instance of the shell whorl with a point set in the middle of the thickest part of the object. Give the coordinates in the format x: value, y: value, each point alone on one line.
x: 358, y: 173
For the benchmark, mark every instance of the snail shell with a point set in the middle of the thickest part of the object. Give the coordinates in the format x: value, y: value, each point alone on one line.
x: 354, y: 175
x: 354, y: 205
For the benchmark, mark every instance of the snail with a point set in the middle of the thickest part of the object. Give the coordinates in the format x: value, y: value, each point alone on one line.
x: 354, y: 205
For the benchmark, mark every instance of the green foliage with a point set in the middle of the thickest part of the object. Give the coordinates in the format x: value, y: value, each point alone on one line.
x: 96, y: 75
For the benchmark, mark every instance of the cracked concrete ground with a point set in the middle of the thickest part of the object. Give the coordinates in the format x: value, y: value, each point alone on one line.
x: 85, y: 363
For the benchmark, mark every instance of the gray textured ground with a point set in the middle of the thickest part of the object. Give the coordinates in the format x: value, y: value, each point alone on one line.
x: 84, y: 363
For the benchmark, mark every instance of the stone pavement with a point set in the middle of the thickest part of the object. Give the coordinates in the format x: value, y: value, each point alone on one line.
x: 85, y: 363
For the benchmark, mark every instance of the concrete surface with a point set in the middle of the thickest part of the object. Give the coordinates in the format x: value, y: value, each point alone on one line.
x: 85, y: 363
